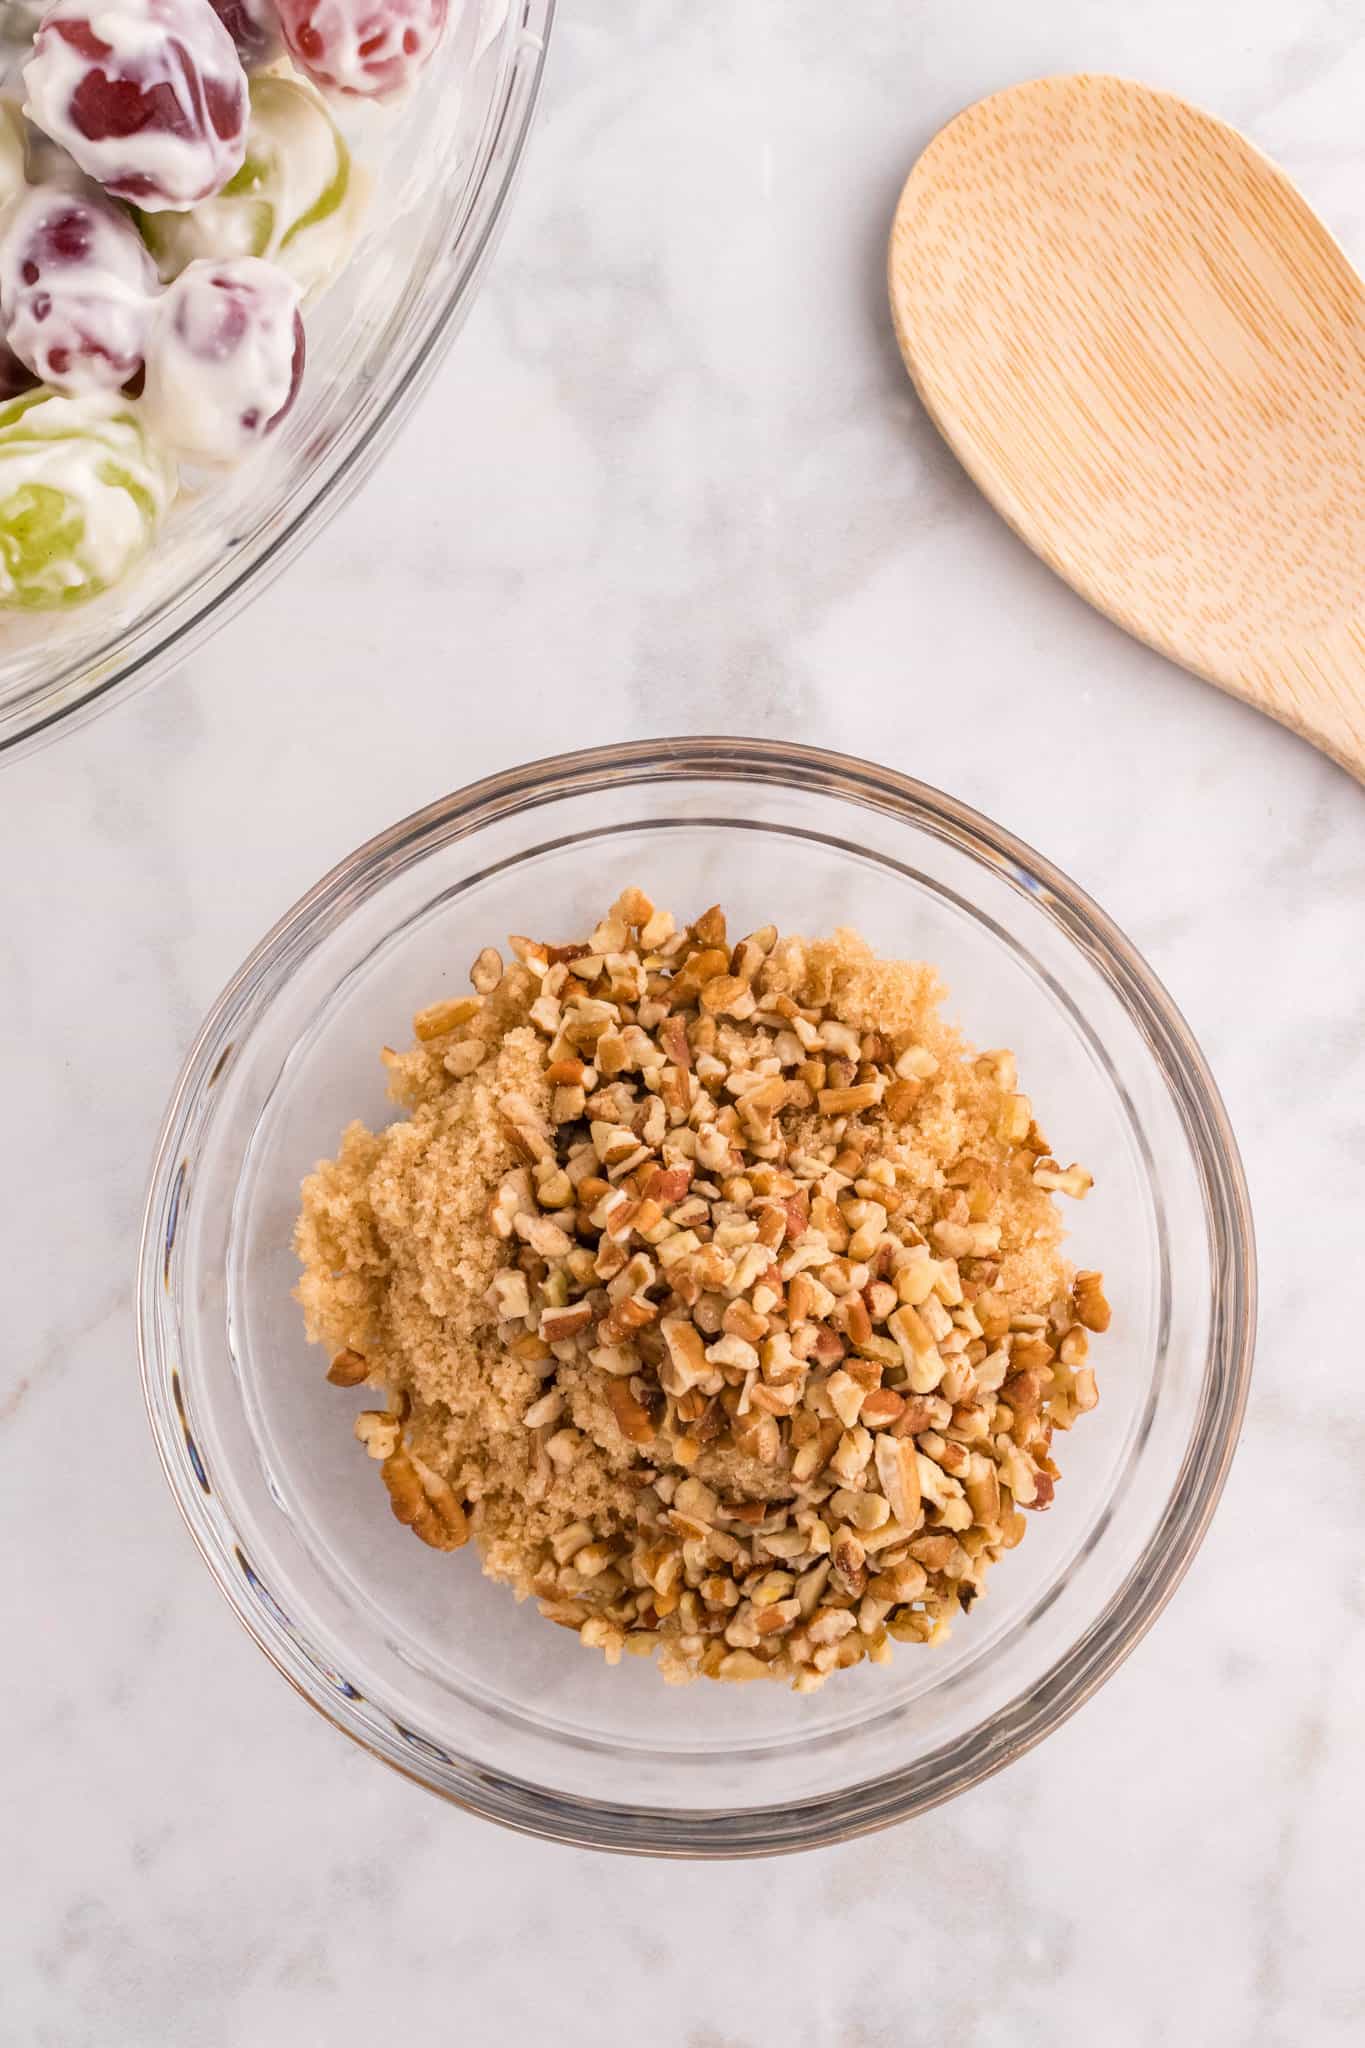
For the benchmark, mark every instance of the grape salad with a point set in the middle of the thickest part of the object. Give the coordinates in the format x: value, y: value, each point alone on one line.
x: 174, y: 192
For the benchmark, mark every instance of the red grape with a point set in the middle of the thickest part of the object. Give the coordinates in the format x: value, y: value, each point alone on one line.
x: 372, y: 48
x: 148, y: 96
x: 254, y: 27
x: 14, y: 375
x: 224, y: 359
x: 77, y: 288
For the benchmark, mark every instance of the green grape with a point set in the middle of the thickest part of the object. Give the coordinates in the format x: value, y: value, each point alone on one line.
x: 82, y: 492
x: 12, y: 151
x: 296, y: 201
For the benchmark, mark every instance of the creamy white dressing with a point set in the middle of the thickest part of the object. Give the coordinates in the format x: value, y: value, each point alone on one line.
x: 76, y: 446
x: 211, y: 392
x: 182, y: 168
x: 492, y: 16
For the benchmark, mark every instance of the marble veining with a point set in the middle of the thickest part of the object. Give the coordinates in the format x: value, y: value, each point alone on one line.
x: 673, y: 478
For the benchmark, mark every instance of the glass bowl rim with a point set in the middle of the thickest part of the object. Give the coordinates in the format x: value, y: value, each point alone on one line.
x: 145, y: 650
x: 1084, y: 1665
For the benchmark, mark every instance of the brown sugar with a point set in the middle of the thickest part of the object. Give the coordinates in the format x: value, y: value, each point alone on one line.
x: 717, y: 1289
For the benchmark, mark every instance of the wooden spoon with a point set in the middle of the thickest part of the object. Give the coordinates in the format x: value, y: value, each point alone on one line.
x: 1148, y: 351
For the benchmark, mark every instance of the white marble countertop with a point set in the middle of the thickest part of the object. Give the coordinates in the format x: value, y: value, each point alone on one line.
x: 673, y: 478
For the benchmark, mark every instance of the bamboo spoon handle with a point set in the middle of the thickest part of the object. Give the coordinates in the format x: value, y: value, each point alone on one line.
x: 1317, y: 689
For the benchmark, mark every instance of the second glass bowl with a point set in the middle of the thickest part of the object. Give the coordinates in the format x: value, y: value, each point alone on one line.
x: 415, y: 1654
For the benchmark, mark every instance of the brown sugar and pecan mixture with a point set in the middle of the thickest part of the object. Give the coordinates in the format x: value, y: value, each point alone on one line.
x: 715, y: 1288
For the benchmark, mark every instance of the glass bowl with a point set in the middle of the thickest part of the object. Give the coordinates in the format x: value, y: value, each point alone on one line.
x: 441, y: 167
x: 431, y: 1666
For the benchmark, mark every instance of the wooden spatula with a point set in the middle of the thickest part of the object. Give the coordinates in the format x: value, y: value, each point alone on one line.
x: 1149, y: 353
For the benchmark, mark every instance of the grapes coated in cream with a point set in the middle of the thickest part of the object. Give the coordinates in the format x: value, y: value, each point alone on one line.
x: 14, y: 375
x: 373, y: 49
x: 254, y: 27
x: 224, y: 359
x: 77, y: 287
x: 147, y: 96
x: 241, y: 203
x: 82, y: 492
x: 296, y: 201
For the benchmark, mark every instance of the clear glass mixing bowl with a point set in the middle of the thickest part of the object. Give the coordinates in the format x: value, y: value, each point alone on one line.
x: 414, y: 1653
x: 441, y: 165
